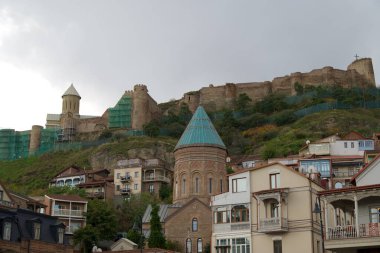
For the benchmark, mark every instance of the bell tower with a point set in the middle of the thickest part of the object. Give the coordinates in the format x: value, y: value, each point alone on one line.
x: 70, y: 102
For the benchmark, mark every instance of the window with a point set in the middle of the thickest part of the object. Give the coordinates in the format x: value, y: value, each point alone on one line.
x: 222, y: 215
x: 210, y: 185
x: 7, y: 231
x: 37, y: 231
x: 374, y: 213
x: 239, y: 184
x: 273, y: 209
x: 183, y: 185
x: 221, y: 185
x: 361, y: 144
x: 318, y: 246
x: 274, y: 181
x: 240, y: 245
x: 127, y: 174
x: 118, y: 175
x: 136, y: 174
x: 188, y: 245
x: 60, y: 235
x: 117, y: 187
x: 345, y: 145
x: 151, y: 188
x: 194, y: 224
x: 199, y: 245
x: 239, y: 214
x: 277, y: 246
x: 135, y: 186
x: 196, y: 186
x: 1, y: 195
x: 352, y: 144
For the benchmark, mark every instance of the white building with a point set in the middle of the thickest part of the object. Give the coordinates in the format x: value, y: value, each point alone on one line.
x: 231, y: 229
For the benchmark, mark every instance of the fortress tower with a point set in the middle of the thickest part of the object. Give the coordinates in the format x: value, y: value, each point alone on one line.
x: 140, y: 111
x: 70, y: 102
x: 200, y: 156
x: 364, y: 67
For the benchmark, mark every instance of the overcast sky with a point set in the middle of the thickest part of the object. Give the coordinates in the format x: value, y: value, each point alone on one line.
x: 106, y: 47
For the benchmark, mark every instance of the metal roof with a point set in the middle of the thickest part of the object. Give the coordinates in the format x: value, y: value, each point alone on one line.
x: 71, y: 91
x: 53, y: 116
x: 200, y: 132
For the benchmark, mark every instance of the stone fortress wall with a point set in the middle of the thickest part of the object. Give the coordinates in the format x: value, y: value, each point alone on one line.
x: 358, y: 74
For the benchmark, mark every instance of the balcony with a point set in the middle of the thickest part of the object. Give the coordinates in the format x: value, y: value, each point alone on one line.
x: 126, y: 179
x: 125, y: 191
x: 153, y: 163
x: 93, y: 195
x: 345, y: 174
x: 71, y: 229
x: 273, y: 225
x: 344, y: 237
x: 68, y: 212
x: 156, y: 178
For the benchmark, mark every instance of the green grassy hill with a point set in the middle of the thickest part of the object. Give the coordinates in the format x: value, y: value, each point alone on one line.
x: 32, y: 175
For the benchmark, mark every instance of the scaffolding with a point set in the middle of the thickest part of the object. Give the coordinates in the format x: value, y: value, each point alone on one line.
x: 120, y: 115
x: 13, y: 144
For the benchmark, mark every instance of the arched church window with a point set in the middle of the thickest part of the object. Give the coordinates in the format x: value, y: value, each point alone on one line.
x: 188, y: 245
x: 194, y: 224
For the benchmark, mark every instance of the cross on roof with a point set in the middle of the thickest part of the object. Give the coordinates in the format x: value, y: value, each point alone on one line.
x: 356, y: 56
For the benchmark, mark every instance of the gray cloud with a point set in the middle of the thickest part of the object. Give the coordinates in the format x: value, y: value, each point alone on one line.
x: 105, y: 47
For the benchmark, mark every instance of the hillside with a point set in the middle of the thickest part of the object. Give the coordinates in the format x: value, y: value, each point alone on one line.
x: 32, y: 175
x: 276, y: 126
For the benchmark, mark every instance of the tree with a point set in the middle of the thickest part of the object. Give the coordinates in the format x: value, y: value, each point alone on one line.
x: 101, y: 216
x: 242, y: 101
x: 165, y: 192
x: 86, y: 237
x: 151, y: 129
x: 156, y: 238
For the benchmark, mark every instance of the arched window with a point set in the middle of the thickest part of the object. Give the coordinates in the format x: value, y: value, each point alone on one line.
x: 196, y: 184
x: 210, y: 185
x: 69, y: 182
x: 194, y: 224
x: 188, y: 245
x: 199, y: 245
x: 183, y: 185
x: 239, y: 214
x: 176, y: 188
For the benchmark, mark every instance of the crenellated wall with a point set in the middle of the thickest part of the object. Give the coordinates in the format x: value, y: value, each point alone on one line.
x: 358, y: 74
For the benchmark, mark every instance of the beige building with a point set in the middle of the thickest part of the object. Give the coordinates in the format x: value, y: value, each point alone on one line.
x: 282, y: 210
x: 128, y: 177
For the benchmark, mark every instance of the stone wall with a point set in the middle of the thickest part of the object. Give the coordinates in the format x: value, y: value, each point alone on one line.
x: 34, y: 246
x: 358, y: 74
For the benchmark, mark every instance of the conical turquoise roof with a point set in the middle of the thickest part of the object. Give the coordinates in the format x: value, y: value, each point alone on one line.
x: 200, y: 132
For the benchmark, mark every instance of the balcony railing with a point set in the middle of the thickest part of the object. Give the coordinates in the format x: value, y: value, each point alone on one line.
x: 68, y: 212
x: 349, y: 173
x: 154, y: 163
x: 244, y: 226
x: 126, y: 179
x: 156, y: 178
x: 71, y: 229
x: 274, y: 224
x: 95, y: 194
x: 349, y: 231
x: 125, y: 191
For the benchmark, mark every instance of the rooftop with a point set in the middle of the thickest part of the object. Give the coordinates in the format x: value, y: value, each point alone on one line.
x: 200, y: 132
x: 71, y: 91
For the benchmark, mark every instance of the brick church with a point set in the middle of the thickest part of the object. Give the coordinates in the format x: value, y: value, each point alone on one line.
x: 199, y: 173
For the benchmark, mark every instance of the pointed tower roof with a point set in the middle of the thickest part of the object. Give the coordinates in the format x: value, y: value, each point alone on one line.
x: 200, y: 132
x: 71, y: 91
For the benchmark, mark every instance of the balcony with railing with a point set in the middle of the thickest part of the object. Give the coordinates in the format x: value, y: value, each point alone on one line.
x: 159, y: 178
x: 125, y: 191
x: 125, y: 179
x: 345, y: 173
x: 6, y: 203
x: 275, y: 224
x: 68, y: 213
x: 154, y: 163
x: 93, y: 195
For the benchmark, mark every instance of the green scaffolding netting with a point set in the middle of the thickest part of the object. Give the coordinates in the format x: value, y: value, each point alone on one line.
x: 120, y: 115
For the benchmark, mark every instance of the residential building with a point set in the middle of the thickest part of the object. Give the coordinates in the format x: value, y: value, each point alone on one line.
x: 352, y: 215
x: 128, y: 177
x: 75, y: 175
x: 343, y: 169
x: 231, y: 228
x: 25, y: 231
x: 155, y: 174
x: 6, y: 200
x: 282, y: 210
x: 99, y: 189
x: 139, y: 175
x: 69, y: 209
x: 25, y: 202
